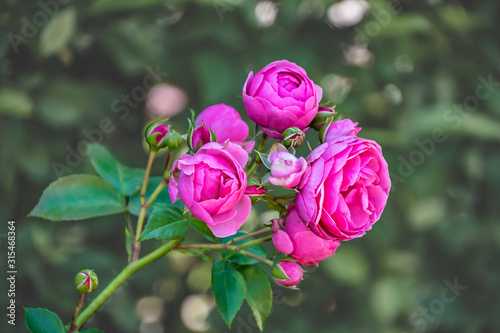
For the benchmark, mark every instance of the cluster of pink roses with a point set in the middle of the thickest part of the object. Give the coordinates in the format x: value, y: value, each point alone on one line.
x: 342, y: 186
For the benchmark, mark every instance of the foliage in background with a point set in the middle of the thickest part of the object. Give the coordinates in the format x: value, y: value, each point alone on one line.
x: 413, y: 87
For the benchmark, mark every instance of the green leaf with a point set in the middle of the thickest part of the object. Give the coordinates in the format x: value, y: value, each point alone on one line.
x: 124, y: 179
x: 78, y: 197
x: 134, y: 205
x: 99, y: 6
x: 203, y: 229
x: 240, y: 258
x: 91, y: 330
x: 165, y: 222
x: 228, y: 287
x: 259, y: 293
x: 15, y: 103
x: 58, y: 32
x: 40, y: 320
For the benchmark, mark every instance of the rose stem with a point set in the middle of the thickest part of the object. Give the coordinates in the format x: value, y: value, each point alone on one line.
x: 75, y: 316
x: 258, y: 161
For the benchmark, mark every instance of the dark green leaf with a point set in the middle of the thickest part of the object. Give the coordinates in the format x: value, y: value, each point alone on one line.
x: 259, y: 293
x: 134, y: 205
x: 239, y: 258
x: 40, y: 320
x: 124, y: 179
x: 91, y: 330
x: 165, y: 222
x: 78, y: 197
x: 203, y: 229
x: 228, y: 287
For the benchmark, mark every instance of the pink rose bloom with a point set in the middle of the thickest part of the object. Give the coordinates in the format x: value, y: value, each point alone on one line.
x: 344, y: 127
x: 224, y: 121
x: 280, y: 96
x: 286, y: 169
x: 301, y: 243
x: 345, y: 188
x: 165, y: 100
x: 212, y: 185
x: 226, y: 124
x: 293, y: 271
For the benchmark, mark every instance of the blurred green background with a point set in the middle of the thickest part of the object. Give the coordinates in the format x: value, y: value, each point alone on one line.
x: 421, y: 78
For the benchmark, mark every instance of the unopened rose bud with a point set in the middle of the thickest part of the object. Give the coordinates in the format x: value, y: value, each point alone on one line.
x: 173, y: 140
x: 293, y: 137
x: 293, y: 272
x: 156, y: 134
x: 255, y: 190
x: 322, y: 117
x: 86, y: 281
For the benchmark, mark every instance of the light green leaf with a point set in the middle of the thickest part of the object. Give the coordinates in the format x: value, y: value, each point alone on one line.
x: 40, y: 320
x: 134, y: 204
x: 259, y: 293
x: 239, y: 258
x: 15, y: 103
x: 165, y: 222
x: 58, y: 32
x: 203, y: 229
x: 78, y: 197
x: 124, y: 179
x: 228, y: 287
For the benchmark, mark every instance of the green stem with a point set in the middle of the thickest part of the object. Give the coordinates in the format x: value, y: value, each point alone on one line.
x: 258, y: 161
x: 152, y: 155
x: 250, y: 235
x: 126, y: 273
x: 235, y: 248
x: 166, y: 173
x: 144, y: 208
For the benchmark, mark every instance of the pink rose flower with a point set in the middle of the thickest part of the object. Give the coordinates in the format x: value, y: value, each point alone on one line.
x: 345, y: 188
x: 165, y: 100
x: 199, y: 137
x: 286, y: 169
x: 301, y: 243
x: 226, y: 123
x: 212, y: 185
x: 344, y: 127
x: 280, y: 96
x: 293, y: 271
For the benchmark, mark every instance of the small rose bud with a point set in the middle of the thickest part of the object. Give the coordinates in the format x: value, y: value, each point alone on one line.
x: 156, y: 134
x: 86, y: 281
x: 293, y: 137
x: 322, y: 117
x: 173, y: 140
x: 286, y: 169
x: 293, y: 271
x: 197, y: 137
x: 332, y: 129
